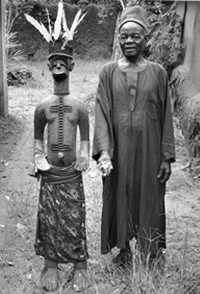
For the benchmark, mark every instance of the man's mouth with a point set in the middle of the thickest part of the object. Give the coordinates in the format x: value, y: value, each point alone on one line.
x: 130, y: 48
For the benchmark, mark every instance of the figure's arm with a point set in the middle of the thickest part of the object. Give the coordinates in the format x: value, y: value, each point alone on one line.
x: 40, y: 121
x: 82, y: 162
x: 168, y: 145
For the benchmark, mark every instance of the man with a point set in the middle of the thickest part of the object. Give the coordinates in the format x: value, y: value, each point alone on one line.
x: 133, y: 145
x: 61, y: 234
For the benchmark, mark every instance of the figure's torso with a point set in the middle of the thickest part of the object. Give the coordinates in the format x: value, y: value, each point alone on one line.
x: 62, y: 115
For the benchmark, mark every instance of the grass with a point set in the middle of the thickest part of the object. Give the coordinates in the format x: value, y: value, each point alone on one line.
x: 182, y: 273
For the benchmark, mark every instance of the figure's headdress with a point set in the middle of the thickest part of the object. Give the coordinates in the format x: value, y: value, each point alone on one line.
x: 83, y: 2
x: 135, y: 14
x: 60, y: 36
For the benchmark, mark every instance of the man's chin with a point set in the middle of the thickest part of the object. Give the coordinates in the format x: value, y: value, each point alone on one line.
x: 131, y: 57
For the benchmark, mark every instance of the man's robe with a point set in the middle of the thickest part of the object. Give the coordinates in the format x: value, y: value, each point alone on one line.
x: 136, y: 128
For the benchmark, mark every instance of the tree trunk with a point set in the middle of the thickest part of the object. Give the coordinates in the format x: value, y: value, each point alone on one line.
x: 3, y: 78
x: 116, y: 52
x: 186, y: 104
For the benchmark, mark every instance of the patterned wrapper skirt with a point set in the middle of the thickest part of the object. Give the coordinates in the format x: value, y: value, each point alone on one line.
x: 61, y: 233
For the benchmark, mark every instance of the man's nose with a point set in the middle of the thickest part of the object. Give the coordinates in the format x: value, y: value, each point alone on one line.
x: 129, y: 39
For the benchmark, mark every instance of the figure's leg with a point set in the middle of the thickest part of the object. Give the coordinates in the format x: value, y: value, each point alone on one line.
x: 124, y: 258
x: 81, y: 280
x: 49, y: 276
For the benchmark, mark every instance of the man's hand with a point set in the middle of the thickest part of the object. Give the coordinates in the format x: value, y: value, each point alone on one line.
x: 164, y: 172
x: 105, y: 164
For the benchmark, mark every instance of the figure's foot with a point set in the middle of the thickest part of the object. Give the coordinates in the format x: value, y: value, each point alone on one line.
x: 124, y: 258
x: 80, y: 280
x: 49, y: 276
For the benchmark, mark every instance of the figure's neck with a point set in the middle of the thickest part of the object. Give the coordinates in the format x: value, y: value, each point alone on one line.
x: 61, y: 87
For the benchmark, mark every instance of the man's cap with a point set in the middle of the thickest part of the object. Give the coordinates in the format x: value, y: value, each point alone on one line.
x: 135, y: 14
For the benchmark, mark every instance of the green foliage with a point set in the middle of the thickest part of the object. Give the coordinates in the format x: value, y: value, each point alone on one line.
x: 164, y: 42
x: 13, y: 46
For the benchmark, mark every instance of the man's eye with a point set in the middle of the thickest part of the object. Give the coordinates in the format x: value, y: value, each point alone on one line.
x: 137, y: 37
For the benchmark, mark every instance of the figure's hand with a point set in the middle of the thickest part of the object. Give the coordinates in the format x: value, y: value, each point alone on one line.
x: 82, y: 162
x: 105, y: 164
x: 164, y: 172
x: 40, y: 160
x: 41, y: 163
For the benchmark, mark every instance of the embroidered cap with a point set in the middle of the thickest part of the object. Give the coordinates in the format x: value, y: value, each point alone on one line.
x: 135, y: 14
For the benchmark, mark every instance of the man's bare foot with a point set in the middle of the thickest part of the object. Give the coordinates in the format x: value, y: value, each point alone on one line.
x: 49, y: 276
x: 80, y: 280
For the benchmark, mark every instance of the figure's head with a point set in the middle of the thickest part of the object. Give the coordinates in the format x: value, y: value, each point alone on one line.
x: 132, y: 32
x: 60, y: 67
x: 60, y: 59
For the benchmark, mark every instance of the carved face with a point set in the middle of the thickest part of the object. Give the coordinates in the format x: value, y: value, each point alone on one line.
x: 132, y: 40
x: 60, y: 68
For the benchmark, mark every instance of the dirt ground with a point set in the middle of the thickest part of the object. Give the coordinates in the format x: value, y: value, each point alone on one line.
x: 19, y: 266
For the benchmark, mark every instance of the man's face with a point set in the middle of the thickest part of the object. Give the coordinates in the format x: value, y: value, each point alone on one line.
x: 132, y: 40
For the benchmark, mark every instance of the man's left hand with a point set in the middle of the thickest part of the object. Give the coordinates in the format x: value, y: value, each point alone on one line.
x: 82, y: 163
x: 164, y: 172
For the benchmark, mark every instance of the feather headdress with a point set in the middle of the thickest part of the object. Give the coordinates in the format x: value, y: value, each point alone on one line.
x: 122, y: 4
x: 60, y: 29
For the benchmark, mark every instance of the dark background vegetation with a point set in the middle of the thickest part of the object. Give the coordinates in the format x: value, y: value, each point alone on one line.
x: 95, y: 35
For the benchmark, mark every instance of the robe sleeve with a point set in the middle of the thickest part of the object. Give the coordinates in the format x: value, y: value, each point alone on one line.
x: 168, y: 145
x: 83, y: 123
x: 103, y: 131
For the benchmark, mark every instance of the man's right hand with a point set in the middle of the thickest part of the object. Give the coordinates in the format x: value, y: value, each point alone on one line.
x: 105, y: 164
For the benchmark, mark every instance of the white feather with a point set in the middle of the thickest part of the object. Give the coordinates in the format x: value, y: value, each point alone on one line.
x: 49, y: 22
x: 68, y: 36
x: 40, y: 27
x: 122, y: 4
x: 64, y: 22
x: 78, y: 18
x: 57, y: 25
